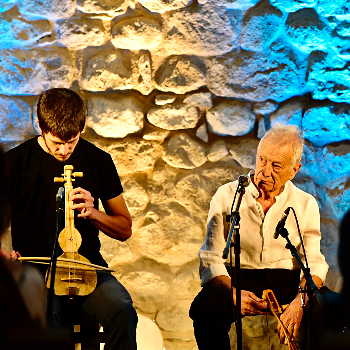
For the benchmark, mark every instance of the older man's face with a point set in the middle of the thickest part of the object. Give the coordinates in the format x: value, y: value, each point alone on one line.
x: 274, y: 167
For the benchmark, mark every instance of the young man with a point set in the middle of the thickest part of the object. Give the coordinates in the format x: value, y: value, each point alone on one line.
x: 34, y: 164
x: 265, y: 262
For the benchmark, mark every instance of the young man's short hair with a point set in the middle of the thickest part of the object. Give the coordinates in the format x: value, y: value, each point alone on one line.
x: 61, y: 112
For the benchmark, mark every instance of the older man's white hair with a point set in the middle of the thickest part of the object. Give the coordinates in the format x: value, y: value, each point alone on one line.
x: 283, y: 135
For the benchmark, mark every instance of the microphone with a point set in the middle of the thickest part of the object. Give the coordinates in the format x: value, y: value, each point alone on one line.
x: 244, y: 180
x: 59, y: 195
x: 281, y: 223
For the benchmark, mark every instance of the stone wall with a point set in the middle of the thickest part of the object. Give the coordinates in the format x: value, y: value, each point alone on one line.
x: 179, y: 92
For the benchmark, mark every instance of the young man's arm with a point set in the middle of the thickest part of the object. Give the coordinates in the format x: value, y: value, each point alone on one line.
x: 116, y: 222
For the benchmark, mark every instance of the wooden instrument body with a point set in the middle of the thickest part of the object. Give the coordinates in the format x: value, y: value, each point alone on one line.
x: 276, y: 310
x: 71, y: 278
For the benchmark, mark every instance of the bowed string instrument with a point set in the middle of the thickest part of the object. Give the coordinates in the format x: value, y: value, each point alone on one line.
x: 75, y: 275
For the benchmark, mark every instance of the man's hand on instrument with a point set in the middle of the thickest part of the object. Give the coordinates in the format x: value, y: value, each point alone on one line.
x: 291, y: 319
x: 12, y: 256
x: 251, y: 304
x: 83, y: 201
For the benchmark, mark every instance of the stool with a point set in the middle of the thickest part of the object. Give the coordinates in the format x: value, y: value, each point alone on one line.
x: 87, y: 333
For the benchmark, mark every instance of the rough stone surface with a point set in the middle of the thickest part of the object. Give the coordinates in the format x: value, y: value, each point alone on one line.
x: 244, y: 152
x: 141, y: 32
x: 7, y: 4
x: 109, y: 7
x: 217, y: 151
x: 329, y: 79
x: 52, y: 10
x: 161, y: 100
x: 317, y: 124
x: 293, y: 5
x: 15, y: 121
x: 261, y: 26
x: 339, y: 9
x: 272, y: 74
x: 107, y: 70
x: 18, y: 32
x: 202, y: 133
x: 77, y: 33
x: 181, y: 74
x: 183, y: 152
x: 34, y: 71
x: 174, y: 117
x: 231, y: 118
x: 202, y: 99
x: 164, y: 5
x: 203, y: 31
x: 307, y: 32
x: 115, y: 118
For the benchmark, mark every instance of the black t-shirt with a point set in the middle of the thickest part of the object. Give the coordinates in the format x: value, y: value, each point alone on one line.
x: 33, y: 196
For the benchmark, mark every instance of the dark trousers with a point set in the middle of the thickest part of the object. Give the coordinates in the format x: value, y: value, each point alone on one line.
x: 111, y: 304
x: 212, y: 312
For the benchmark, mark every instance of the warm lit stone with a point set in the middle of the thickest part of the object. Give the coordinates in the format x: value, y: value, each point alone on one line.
x: 329, y: 80
x: 162, y: 100
x: 307, y: 32
x: 217, y: 151
x: 231, y: 4
x: 110, y: 7
x: 204, y: 31
x: 54, y: 9
x: 272, y: 74
x: 318, y: 124
x: 15, y: 120
x: 142, y: 74
x: 174, y: 318
x: 133, y: 156
x: 293, y: 5
x: 109, y: 70
x: 260, y: 26
x: 115, y: 117
x: 183, y: 152
x: 164, y: 5
x: 174, y: 117
x: 181, y: 74
x: 115, y: 253
x: 139, y: 32
x: 33, y: 71
x: 19, y: 31
x: 147, y: 288
x: 78, y: 32
x: 232, y: 118
x: 201, y: 99
x: 202, y: 133
x: 264, y: 108
x: 159, y: 135
x: 244, y: 152
x: 136, y: 196
x: 173, y: 238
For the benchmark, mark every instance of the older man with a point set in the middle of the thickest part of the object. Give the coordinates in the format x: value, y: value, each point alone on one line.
x: 265, y: 261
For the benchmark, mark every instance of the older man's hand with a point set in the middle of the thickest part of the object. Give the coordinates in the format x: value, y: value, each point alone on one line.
x: 291, y: 319
x: 252, y: 305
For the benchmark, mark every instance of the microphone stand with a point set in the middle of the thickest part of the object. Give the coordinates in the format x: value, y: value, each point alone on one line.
x: 53, y: 262
x: 310, y: 287
x: 234, y: 218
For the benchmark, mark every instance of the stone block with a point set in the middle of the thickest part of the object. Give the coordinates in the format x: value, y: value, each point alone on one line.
x: 7, y: 4
x: 52, y: 10
x: 111, y: 8
x: 293, y: 5
x: 79, y: 32
x: 244, y: 152
x: 200, y: 99
x: 15, y: 120
x: 202, y: 133
x: 34, y: 71
x: 318, y: 124
x: 174, y: 117
x: 180, y: 74
x: 116, y: 117
x: 162, y: 6
x: 137, y: 32
x: 183, y: 152
x: 231, y: 117
x: 260, y: 26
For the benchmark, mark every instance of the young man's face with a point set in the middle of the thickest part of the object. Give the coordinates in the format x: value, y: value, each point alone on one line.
x: 58, y: 148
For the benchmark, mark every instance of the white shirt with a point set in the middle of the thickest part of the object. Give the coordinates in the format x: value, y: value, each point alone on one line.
x: 259, y: 250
